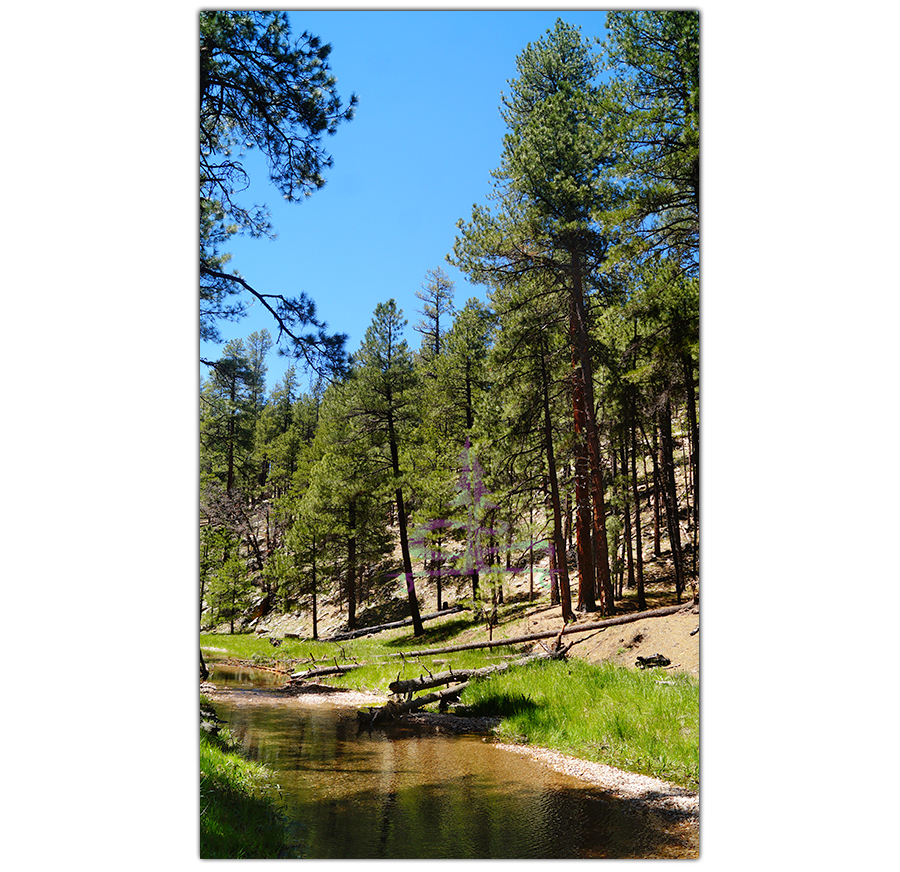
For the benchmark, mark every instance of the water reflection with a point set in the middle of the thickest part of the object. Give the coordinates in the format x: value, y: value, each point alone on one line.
x: 417, y: 794
x: 231, y: 675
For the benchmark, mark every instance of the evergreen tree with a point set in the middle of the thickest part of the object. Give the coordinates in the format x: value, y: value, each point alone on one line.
x: 549, y: 187
x: 652, y: 111
x: 382, y: 384
x: 259, y: 344
x: 342, y: 481
x: 462, y: 371
x: 227, y: 418
x: 531, y: 386
x: 436, y: 295
x: 261, y: 89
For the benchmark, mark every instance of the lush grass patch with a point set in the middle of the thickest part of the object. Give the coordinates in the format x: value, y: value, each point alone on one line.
x: 625, y: 718
x: 239, y: 816
x: 380, y: 654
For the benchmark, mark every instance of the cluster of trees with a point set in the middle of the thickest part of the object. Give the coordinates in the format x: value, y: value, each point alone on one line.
x: 552, y: 414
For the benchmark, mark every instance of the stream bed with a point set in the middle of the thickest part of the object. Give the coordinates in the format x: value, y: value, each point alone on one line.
x: 410, y: 792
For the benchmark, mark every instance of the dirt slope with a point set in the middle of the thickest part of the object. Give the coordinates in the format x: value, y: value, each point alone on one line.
x: 669, y: 635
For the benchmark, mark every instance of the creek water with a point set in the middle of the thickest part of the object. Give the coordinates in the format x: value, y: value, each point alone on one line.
x: 412, y: 793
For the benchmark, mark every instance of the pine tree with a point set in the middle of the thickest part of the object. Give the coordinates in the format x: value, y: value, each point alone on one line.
x: 227, y: 418
x: 651, y: 110
x: 436, y: 295
x: 549, y: 186
x: 381, y: 387
x: 259, y: 88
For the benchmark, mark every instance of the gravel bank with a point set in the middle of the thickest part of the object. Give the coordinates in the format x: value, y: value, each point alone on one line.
x: 673, y: 806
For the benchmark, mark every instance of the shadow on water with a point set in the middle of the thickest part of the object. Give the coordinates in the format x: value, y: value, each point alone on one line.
x: 413, y: 793
x: 470, y: 816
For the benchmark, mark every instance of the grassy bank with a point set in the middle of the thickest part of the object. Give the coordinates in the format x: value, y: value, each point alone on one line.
x: 380, y: 655
x: 646, y: 722
x: 239, y: 817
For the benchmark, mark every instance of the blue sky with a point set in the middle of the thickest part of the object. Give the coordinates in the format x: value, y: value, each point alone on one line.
x: 416, y: 157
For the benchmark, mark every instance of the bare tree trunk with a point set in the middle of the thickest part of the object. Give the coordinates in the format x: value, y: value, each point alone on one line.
x: 601, y: 559
x: 583, y: 516
x: 638, y: 539
x: 315, y: 612
x: 657, y: 489
x: 530, y: 550
x: 401, y: 523
x: 629, y: 554
x: 351, y: 566
x: 694, y: 433
x: 559, y: 544
x: 670, y: 494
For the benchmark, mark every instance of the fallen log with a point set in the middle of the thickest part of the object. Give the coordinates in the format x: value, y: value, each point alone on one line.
x: 393, y: 625
x: 413, y: 685
x: 547, y: 634
x: 323, y: 670
x: 394, y: 709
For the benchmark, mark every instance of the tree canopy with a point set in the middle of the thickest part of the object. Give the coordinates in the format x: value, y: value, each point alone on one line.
x: 562, y: 412
x: 261, y: 89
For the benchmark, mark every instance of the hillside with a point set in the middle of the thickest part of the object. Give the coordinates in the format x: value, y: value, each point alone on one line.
x: 674, y: 636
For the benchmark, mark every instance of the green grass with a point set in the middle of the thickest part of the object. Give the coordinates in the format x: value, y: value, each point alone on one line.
x: 239, y: 816
x: 621, y: 717
x: 625, y: 718
x: 381, y: 654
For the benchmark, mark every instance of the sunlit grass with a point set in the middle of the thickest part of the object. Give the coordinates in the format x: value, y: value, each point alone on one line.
x: 239, y: 816
x: 622, y: 717
x: 384, y: 658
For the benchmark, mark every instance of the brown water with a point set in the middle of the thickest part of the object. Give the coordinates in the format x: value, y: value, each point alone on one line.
x: 411, y: 793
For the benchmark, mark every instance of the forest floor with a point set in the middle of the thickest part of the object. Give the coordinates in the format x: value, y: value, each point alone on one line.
x: 674, y: 636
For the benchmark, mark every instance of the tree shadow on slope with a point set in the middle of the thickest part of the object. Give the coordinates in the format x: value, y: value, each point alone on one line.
x: 439, y: 633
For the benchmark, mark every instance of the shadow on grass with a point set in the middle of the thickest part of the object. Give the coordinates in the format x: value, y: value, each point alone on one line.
x: 440, y: 633
x: 503, y: 705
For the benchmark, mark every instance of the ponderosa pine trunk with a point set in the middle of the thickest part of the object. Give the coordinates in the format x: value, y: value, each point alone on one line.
x: 601, y: 556
x: 657, y: 490
x: 638, y: 540
x: 531, y: 549
x: 351, y: 566
x: 629, y: 553
x: 584, y: 544
x: 694, y: 434
x: 436, y: 564
x: 670, y: 495
x: 315, y: 612
x: 401, y: 523
x: 565, y: 594
x: 551, y: 543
